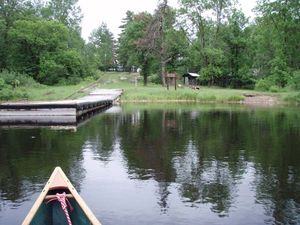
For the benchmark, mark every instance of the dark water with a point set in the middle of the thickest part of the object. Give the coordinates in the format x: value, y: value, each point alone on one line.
x: 172, y: 165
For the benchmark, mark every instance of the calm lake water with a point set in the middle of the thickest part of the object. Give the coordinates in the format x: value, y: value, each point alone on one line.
x: 175, y: 164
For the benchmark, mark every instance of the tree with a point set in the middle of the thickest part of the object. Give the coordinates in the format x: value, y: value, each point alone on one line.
x: 10, y: 11
x: 104, y: 47
x: 157, y: 34
x: 40, y: 49
x: 206, y: 21
x: 31, y: 40
x: 276, y: 40
x: 64, y: 11
x: 238, y: 52
x: 160, y: 36
x: 194, y: 14
x: 131, y: 51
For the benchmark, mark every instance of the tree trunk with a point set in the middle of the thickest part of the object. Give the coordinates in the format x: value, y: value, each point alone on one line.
x: 163, y: 43
x: 163, y: 72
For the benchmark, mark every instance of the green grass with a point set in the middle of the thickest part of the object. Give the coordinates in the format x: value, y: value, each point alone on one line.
x: 150, y: 93
x: 157, y: 93
x: 291, y: 97
x: 43, y: 92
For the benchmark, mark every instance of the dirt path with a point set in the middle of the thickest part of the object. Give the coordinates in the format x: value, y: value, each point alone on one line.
x: 85, y: 89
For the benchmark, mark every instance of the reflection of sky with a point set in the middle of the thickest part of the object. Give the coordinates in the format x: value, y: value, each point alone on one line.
x: 113, y: 196
x: 124, y: 180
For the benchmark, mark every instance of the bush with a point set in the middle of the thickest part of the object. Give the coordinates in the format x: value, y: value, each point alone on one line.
x: 293, y: 98
x: 6, y: 93
x: 294, y: 82
x: 62, y: 67
x: 9, y: 93
x: 155, y: 79
x: 51, y: 72
x: 274, y: 88
x: 279, y: 71
x: 2, y: 83
x: 16, y: 79
x: 263, y: 85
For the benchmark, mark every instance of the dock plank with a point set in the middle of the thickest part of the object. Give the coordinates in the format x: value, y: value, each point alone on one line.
x: 55, y: 111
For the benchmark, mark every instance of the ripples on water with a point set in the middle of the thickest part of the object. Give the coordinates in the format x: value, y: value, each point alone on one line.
x: 177, y: 165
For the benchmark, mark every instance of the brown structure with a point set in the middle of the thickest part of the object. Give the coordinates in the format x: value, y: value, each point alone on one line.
x: 191, y: 79
x: 171, y: 78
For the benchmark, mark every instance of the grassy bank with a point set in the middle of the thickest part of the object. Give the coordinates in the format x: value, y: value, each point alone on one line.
x: 39, y: 92
x: 137, y: 92
x: 157, y: 93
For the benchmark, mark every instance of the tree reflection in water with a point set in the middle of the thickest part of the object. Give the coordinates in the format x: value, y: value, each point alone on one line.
x: 202, y: 154
x: 207, y: 153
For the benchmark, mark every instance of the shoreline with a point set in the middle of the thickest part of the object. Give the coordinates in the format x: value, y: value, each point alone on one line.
x: 253, y: 100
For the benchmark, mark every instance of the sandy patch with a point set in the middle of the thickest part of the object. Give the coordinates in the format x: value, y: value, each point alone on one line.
x: 260, y: 100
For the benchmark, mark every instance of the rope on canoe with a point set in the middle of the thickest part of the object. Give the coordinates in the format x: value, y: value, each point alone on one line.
x: 64, y: 202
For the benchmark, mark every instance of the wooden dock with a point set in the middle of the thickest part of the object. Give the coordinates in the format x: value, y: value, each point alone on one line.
x: 66, y: 112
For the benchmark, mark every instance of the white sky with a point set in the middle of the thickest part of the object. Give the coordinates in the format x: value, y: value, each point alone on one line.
x: 112, y: 12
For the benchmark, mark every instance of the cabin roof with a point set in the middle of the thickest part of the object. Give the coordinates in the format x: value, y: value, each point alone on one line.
x: 191, y: 75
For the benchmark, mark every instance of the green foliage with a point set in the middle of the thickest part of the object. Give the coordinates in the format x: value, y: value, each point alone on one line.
x: 66, y: 12
x: 2, y: 83
x: 6, y: 93
x: 213, y: 71
x: 294, y: 81
x: 33, y: 39
x: 279, y: 71
x: 293, y: 98
x: 14, y: 85
x: 206, y: 98
x: 129, y: 54
x: 15, y: 79
x: 42, y: 39
x: 274, y: 88
x: 263, y: 85
x: 155, y: 79
x: 103, y: 47
x: 236, y: 98
x: 62, y: 67
x: 9, y: 93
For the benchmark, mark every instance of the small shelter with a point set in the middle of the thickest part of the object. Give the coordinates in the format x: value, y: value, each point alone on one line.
x: 191, y: 79
x: 171, y: 79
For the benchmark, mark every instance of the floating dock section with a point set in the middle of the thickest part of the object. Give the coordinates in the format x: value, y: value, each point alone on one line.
x: 66, y: 112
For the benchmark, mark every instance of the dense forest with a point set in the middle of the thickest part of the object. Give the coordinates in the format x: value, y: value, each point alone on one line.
x: 41, y: 42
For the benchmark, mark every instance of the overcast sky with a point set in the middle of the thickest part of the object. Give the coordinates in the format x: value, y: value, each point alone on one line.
x: 112, y: 12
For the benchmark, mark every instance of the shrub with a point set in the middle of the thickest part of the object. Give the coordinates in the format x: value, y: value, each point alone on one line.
x: 2, y: 83
x: 9, y: 93
x: 16, y: 79
x: 293, y: 98
x: 274, y: 88
x: 155, y: 79
x: 279, y: 71
x: 51, y: 72
x: 62, y: 67
x: 263, y: 85
x: 294, y: 82
x: 6, y: 93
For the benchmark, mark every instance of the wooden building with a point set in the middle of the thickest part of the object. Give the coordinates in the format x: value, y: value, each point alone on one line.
x: 191, y: 79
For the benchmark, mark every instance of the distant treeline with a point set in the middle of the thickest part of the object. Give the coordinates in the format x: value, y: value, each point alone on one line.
x: 41, y: 40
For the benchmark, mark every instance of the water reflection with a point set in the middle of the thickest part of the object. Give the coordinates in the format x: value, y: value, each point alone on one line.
x: 220, y: 164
